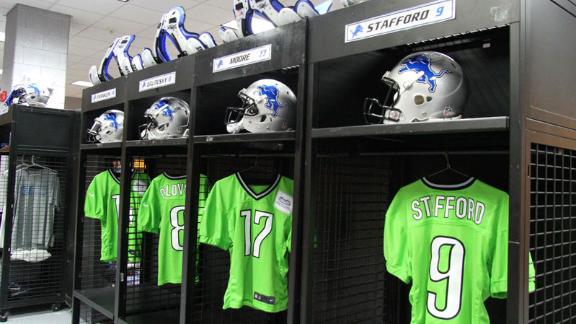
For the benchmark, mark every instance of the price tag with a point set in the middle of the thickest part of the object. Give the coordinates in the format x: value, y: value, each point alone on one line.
x: 160, y: 81
x: 104, y: 95
x: 255, y: 55
x: 426, y: 14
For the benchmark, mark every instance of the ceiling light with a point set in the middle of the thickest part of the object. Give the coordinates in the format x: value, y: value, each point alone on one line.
x: 82, y: 83
x: 123, y: 0
x: 2, y: 36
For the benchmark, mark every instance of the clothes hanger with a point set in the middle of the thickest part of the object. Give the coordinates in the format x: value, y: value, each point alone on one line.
x: 448, y: 174
x: 259, y: 174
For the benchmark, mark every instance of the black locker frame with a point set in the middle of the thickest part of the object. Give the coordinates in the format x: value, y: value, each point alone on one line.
x: 22, y: 126
x: 533, y: 116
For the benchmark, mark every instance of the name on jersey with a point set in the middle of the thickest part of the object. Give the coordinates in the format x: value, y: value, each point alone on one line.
x: 174, y: 190
x: 447, y: 206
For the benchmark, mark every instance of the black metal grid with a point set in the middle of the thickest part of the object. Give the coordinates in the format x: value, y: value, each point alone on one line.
x: 93, y: 273
x: 143, y: 294
x: 214, y: 263
x: 349, y: 279
x: 553, y: 234
x: 91, y: 316
x: 37, y: 249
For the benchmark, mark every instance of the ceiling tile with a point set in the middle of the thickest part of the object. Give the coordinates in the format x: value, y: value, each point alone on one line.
x: 164, y: 5
x: 99, y: 34
x: 78, y: 16
x: 81, y: 42
x: 76, y: 28
x: 209, y: 14
x: 137, y: 14
x: 120, y: 27
x: 101, y: 7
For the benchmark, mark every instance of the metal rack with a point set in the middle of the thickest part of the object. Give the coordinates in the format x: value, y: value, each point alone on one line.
x: 345, y: 173
x: 36, y: 251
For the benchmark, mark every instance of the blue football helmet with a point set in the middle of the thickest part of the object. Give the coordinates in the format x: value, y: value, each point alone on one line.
x: 172, y: 28
x: 166, y: 118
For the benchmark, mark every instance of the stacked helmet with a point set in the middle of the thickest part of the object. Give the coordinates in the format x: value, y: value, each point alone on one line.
x: 166, y: 118
x: 107, y: 128
x: 31, y: 94
x: 268, y: 106
x: 424, y: 86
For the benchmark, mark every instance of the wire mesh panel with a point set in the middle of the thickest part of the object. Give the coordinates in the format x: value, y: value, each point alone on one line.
x: 38, y: 231
x: 349, y: 279
x: 146, y: 292
x: 89, y: 315
x: 553, y: 234
x: 214, y: 263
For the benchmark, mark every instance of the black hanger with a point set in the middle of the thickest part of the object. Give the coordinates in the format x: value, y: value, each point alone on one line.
x: 448, y: 175
x: 257, y: 174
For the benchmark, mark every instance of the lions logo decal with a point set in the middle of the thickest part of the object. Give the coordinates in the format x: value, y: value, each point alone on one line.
x: 421, y: 63
x: 271, y: 93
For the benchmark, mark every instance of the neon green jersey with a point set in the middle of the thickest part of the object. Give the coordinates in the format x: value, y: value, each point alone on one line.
x: 451, y: 242
x: 254, y: 224
x: 162, y: 212
x: 103, y: 203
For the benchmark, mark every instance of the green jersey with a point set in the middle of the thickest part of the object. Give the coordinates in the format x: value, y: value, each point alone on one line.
x: 162, y: 212
x: 103, y: 203
x: 254, y: 224
x: 451, y: 242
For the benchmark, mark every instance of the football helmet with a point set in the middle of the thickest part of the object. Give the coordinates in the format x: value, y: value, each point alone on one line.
x: 172, y: 28
x: 31, y: 94
x: 107, y: 128
x: 119, y: 51
x: 424, y: 86
x: 268, y: 106
x: 166, y: 118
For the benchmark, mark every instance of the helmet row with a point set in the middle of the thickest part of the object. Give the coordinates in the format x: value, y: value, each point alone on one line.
x: 267, y: 106
x: 31, y: 94
x: 423, y: 86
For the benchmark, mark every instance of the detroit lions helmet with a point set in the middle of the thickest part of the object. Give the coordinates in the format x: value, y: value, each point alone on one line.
x: 31, y: 94
x: 107, y: 128
x: 268, y: 106
x: 172, y: 28
x: 166, y: 118
x: 424, y: 86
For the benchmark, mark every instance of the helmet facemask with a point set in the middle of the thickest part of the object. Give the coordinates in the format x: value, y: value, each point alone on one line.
x: 377, y: 111
x: 94, y: 132
x: 235, y: 115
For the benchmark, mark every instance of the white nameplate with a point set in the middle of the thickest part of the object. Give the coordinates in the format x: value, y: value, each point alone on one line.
x: 425, y: 14
x: 160, y: 81
x: 255, y: 55
x: 104, y: 95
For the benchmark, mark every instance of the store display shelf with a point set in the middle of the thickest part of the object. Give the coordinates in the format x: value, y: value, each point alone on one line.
x: 163, y: 316
x: 473, y: 125
x: 100, y: 299
x: 100, y: 146
x: 246, y: 137
x: 158, y: 143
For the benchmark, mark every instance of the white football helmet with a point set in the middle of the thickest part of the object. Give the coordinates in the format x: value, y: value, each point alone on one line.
x: 424, y: 86
x: 107, y: 128
x: 166, y: 118
x: 31, y: 94
x: 268, y: 106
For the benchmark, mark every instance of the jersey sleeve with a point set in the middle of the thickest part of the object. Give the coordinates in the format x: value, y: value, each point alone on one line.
x: 94, y: 201
x: 214, y: 225
x: 149, y: 215
x: 395, y: 252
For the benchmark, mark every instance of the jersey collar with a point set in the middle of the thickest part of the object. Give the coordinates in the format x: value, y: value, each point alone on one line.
x: 456, y: 186
x: 251, y: 192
